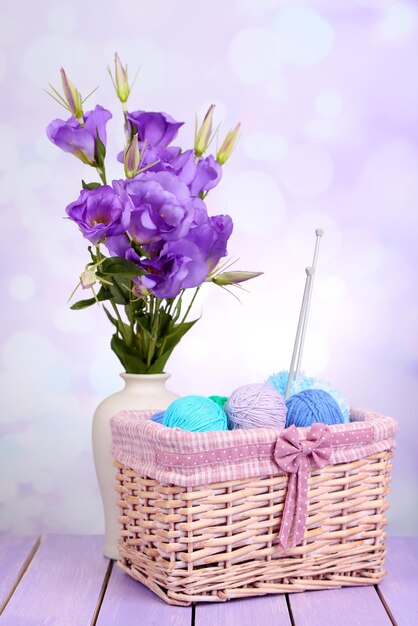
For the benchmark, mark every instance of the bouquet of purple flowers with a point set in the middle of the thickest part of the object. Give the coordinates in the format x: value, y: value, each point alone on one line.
x: 150, y: 233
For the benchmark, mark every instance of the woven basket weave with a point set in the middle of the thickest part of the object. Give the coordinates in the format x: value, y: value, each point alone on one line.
x: 218, y: 541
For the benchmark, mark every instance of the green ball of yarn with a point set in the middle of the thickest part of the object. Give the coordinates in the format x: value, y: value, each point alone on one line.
x: 195, y: 413
x: 220, y: 400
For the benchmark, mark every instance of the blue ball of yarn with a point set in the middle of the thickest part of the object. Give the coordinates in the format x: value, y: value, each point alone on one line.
x: 158, y: 417
x: 195, y: 413
x: 279, y: 382
x: 310, y: 406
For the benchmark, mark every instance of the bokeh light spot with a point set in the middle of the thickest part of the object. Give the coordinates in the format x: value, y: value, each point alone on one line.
x: 8, y: 147
x: 328, y: 103
x: 264, y: 147
x: 253, y: 55
x: 3, y: 65
x: 307, y: 170
x: 398, y: 23
x: 39, y: 63
x: 62, y: 18
x: 22, y: 287
x: 256, y: 200
x: 304, y: 37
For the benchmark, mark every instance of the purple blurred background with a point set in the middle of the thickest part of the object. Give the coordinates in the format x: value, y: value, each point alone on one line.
x: 328, y: 98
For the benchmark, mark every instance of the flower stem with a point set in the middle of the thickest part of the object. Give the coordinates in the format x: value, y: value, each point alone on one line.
x: 102, y: 173
x: 154, y: 322
x: 121, y: 324
x: 190, y: 305
x: 126, y: 123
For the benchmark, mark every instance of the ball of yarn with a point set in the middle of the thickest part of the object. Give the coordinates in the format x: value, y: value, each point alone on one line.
x: 158, y: 417
x: 279, y: 382
x: 310, y: 406
x: 257, y: 405
x: 195, y: 413
x: 220, y: 400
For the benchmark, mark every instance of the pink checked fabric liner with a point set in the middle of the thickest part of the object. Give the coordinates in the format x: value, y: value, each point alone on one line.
x: 190, y: 459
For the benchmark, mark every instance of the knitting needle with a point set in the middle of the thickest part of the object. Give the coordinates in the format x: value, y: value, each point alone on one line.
x: 319, y: 233
x: 302, y: 314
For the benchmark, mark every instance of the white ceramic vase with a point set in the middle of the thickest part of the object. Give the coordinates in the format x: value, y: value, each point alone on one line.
x: 142, y: 391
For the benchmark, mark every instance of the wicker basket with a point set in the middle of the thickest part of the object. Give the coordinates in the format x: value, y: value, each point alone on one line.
x: 190, y: 537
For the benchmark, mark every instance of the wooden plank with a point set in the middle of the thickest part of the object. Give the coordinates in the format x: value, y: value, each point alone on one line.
x: 15, y: 555
x: 348, y: 606
x: 257, y: 611
x: 128, y: 602
x: 62, y: 584
x: 399, y: 588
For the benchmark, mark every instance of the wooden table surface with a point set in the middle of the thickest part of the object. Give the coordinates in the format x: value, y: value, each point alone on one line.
x: 63, y: 580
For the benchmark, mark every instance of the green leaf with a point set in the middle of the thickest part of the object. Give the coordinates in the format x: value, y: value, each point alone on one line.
x: 102, y: 295
x: 110, y: 317
x: 164, y: 324
x: 120, y: 290
x: 139, y: 250
x: 82, y: 304
x: 90, y: 185
x: 178, y: 333
x: 120, y: 271
x: 120, y: 266
x: 130, y: 358
x: 170, y: 342
x: 100, y: 150
x: 144, y: 323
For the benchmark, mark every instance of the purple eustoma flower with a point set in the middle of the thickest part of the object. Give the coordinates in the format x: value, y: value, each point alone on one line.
x: 160, y: 206
x: 157, y: 129
x: 153, y: 159
x: 119, y: 245
x: 170, y: 159
x: 99, y: 214
x: 185, y: 263
x: 208, y: 174
x: 184, y: 166
x: 211, y: 237
x: 180, y: 265
x: 80, y: 140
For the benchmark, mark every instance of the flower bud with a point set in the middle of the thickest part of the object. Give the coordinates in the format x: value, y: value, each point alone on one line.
x: 139, y: 289
x: 203, y: 135
x: 72, y: 96
x: 132, y: 158
x: 120, y: 81
x: 233, y: 278
x: 87, y: 279
x: 228, y: 145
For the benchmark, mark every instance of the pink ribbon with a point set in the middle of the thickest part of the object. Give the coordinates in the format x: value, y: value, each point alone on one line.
x: 295, y: 456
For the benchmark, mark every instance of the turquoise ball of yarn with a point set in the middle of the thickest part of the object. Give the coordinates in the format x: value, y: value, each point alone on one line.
x: 195, y: 413
x: 310, y: 406
x: 279, y: 382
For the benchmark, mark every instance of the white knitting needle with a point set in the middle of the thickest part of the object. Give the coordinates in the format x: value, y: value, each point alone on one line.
x: 302, y: 314
x: 319, y: 233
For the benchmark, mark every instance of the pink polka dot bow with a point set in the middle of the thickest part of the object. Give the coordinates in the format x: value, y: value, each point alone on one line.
x: 295, y: 456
